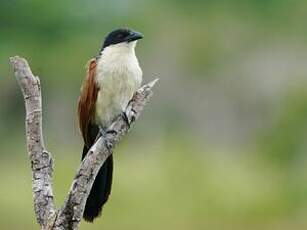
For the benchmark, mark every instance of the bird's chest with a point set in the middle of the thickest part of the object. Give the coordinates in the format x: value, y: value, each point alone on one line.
x: 118, y: 80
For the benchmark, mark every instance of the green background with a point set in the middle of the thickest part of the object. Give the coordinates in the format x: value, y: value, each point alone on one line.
x: 223, y: 142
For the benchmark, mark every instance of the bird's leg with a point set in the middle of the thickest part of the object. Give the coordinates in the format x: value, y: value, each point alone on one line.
x: 102, y: 133
x: 125, y: 117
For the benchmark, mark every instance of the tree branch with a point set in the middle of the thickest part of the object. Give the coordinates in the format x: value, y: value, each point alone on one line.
x: 70, y: 215
x: 41, y: 160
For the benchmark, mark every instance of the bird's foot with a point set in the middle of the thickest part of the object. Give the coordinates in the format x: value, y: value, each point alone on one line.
x: 125, y: 117
x: 102, y: 133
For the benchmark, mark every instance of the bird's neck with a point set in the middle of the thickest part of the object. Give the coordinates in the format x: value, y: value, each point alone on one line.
x: 118, y: 58
x: 120, y: 50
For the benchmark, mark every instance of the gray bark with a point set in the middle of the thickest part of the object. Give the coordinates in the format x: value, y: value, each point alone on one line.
x: 70, y: 214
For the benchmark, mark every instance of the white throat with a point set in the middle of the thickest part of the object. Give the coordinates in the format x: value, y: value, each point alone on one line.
x: 123, y: 48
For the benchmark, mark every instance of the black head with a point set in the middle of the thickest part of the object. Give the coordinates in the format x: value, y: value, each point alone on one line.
x: 121, y: 35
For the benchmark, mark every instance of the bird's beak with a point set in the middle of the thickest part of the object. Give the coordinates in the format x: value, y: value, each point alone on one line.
x: 134, y: 35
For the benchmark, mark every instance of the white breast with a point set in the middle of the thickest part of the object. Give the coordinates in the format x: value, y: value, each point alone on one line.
x: 118, y: 75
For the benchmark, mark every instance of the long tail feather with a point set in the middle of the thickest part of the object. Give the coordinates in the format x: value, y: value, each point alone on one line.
x: 101, y: 189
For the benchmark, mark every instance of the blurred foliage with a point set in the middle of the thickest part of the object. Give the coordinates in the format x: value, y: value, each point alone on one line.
x: 285, y: 142
x: 160, y: 187
x: 222, y: 144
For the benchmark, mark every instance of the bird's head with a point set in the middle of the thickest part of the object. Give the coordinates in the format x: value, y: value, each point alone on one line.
x: 121, y: 38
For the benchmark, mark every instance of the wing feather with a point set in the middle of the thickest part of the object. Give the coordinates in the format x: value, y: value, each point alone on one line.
x: 87, y: 101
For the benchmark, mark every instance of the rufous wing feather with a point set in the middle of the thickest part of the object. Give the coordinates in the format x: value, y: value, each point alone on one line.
x: 87, y: 100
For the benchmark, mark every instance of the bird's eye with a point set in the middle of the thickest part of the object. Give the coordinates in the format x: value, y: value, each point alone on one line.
x: 120, y: 35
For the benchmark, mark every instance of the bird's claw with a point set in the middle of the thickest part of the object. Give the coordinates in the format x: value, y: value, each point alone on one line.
x: 125, y: 117
x: 102, y: 133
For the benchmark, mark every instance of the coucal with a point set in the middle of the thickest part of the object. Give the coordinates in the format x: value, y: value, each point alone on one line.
x: 112, y: 79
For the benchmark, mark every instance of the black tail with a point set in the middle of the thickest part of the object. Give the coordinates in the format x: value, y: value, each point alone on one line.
x: 100, y: 191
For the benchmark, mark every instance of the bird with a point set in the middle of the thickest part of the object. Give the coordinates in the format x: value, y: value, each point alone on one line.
x: 113, y: 76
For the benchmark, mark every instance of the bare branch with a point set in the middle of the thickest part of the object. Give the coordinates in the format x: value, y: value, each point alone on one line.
x: 41, y: 160
x: 70, y: 215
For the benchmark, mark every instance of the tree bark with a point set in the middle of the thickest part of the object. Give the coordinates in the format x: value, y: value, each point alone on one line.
x: 70, y: 214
